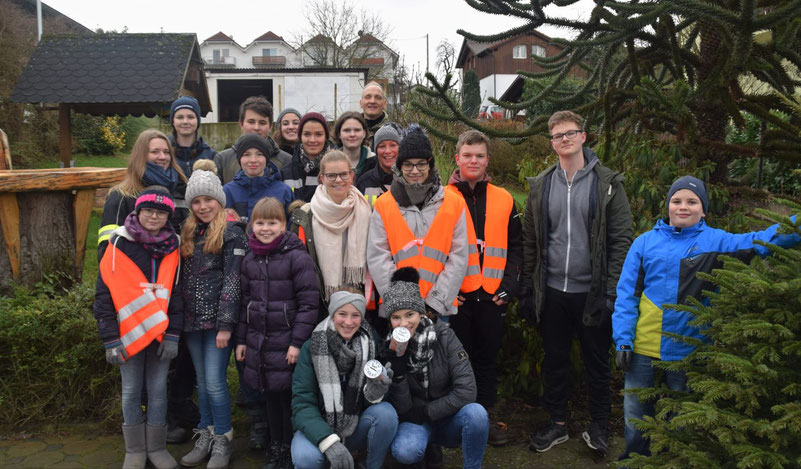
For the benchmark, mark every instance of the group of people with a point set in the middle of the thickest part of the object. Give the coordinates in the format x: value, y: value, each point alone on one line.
x: 364, y: 300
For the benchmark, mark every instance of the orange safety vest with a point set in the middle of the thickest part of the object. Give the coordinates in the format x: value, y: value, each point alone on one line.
x: 496, y: 233
x: 429, y: 254
x: 141, y: 306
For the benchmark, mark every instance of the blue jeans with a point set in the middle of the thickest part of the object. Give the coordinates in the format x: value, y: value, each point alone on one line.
x: 641, y: 375
x: 211, y: 363
x: 145, y: 369
x: 375, y: 430
x: 468, y: 427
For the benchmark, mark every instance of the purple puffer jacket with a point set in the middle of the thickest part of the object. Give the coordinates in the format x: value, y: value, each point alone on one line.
x: 280, y: 298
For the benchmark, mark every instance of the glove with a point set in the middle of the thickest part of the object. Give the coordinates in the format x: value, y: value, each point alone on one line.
x: 115, y: 353
x: 417, y: 415
x: 525, y: 307
x: 375, y: 389
x: 623, y: 359
x: 601, y: 311
x: 339, y: 457
x: 168, y: 349
x: 399, y: 366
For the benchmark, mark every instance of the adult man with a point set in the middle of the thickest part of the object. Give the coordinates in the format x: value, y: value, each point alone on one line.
x: 255, y: 117
x: 377, y: 180
x: 373, y: 105
x: 497, y: 233
x: 577, y: 230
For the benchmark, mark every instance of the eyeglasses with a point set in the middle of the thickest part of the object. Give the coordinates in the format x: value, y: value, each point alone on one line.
x: 150, y: 213
x: 421, y: 166
x: 331, y: 177
x: 569, y: 134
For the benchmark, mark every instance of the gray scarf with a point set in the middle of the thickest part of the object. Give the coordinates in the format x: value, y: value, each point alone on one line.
x: 407, y: 194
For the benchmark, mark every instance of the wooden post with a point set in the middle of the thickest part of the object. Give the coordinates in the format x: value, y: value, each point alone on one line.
x: 82, y: 211
x: 64, y: 135
x: 5, y: 151
x: 9, y: 218
x: 335, y: 101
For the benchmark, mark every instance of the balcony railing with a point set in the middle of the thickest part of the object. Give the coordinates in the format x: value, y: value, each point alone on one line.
x: 269, y: 60
x: 220, y: 61
x: 368, y: 62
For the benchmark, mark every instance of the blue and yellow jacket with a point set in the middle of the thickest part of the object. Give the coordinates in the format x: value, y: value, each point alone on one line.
x: 661, y: 268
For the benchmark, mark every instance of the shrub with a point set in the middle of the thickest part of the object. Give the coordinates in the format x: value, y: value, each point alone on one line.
x: 97, y: 135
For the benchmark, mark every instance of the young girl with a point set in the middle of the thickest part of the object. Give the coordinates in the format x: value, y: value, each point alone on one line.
x: 212, y: 250
x: 138, y: 335
x: 278, y: 313
x: 350, y: 133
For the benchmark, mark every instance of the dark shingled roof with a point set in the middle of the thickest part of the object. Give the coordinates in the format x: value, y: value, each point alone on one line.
x: 268, y: 36
x: 95, y: 72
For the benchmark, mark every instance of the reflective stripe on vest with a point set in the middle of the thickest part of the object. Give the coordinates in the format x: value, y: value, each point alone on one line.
x: 496, y: 233
x: 429, y: 254
x: 104, y: 233
x: 472, y: 278
x: 141, y: 306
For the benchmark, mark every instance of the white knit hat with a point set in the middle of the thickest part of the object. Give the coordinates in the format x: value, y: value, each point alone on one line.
x: 204, y: 183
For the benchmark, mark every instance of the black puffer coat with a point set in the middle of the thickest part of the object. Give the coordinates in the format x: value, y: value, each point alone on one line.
x: 211, y: 281
x: 279, y: 309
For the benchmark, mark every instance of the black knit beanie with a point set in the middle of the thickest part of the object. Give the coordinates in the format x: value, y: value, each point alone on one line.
x: 248, y: 141
x: 415, y: 144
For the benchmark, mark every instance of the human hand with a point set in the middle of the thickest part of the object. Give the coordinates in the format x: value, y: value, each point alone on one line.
x: 222, y: 338
x: 168, y: 349
x: 375, y: 389
x: 240, y: 352
x: 623, y: 359
x: 292, y: 355
x: 339, y: 457
x: 500, y: 298
x: 115, y: 353
x: 460, y: 299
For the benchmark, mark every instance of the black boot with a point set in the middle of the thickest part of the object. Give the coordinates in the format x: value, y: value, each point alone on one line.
x: 286, y: 457
x: 433, y: 457
x: 259, y: 429
x: 273, y: 456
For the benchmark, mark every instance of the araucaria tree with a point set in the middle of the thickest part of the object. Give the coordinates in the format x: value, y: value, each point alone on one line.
x: 684, y: 68
x: 744, y: 408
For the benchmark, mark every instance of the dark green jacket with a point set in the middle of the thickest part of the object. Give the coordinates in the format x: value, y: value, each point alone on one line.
x: 610, y: 238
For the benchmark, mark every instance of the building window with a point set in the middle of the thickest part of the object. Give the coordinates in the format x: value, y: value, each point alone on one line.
x: 519, y: 52
x: 269, y: 52
x: 537, y: 50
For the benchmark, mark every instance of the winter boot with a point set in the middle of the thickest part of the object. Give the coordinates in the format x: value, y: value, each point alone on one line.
x: 259, y: 436
x: 273, y: 456
x: 286, y: 457
x: 221, y: 450
x: 135, y: 446
x: 202, y: 447
x: 157, y: 453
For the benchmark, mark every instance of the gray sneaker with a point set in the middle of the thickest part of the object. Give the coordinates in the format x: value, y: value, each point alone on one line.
x: 548, y: 437
x: 202, y: 447
x: 221, y: 451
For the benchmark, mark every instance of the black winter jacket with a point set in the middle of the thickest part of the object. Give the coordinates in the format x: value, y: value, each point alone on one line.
x: 211, y: 287
x: 303, y: 184
x: 186, y: 156
x: 374, y: 182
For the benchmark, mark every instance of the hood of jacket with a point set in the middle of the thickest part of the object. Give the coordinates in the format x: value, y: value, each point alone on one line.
x: 663, y: 227
x: 456, y: 177
x: 258, y: 183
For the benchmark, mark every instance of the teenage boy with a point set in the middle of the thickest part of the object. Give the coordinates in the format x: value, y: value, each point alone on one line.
x: 255, y: 117
x: 577, y: 230
x: 189, y: 146
x: 497, y: 235
x: 377, y: 179
x: 373, y: 105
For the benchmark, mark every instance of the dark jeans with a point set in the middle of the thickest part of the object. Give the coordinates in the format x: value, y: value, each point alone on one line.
x: 561, y: 320
x: 479, y: 325
x: 279, y: 415
x: 180, y: 389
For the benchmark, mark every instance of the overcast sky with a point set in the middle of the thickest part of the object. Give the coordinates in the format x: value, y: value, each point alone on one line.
x: 410, y: 20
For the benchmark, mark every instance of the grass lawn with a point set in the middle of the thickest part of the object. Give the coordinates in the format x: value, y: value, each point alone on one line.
x: 97, y: 161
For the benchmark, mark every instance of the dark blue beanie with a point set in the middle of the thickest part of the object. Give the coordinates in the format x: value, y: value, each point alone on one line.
x: 185, y: 102
x: 694, y: 184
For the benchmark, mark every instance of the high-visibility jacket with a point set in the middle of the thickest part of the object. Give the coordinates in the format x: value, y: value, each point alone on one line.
x: 141, y: 306
x: 429, y: 254
x: 494, y: 245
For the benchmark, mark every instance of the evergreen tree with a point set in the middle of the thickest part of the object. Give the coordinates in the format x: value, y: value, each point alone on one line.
x: 678, y: 67
x: 744, y: 408
x: 471, y: 92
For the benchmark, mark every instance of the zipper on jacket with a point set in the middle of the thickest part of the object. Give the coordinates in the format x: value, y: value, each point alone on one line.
x: 286, y: 318
x: 247, y: 316
x: 567, y: 252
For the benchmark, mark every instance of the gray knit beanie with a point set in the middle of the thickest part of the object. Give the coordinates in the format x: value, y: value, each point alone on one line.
x: 286, y: 111
x: 389, y: 131
x: 204, y: 183
x: 341, y: 298
x: 404, y: 292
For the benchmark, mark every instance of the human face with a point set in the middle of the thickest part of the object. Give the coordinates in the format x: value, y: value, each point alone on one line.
x: 407, y: 318
x: 338, y: 188
x: 185, y: 122
x: 153, y: 220
x: 387, y: 153
x: 347, y: 320
x: 253, y: 162
x: 289, y: 127
x: 685, y: 209
x: 412, y: 174
x: 372, y: 102
x: 205, y: 208
x: 352, y: 134
x: 159, y: 152
x: 267, y: 229
x: 568, y: 147
x: 255, y: 123
x: 472, y: 161
x: 313, y: 138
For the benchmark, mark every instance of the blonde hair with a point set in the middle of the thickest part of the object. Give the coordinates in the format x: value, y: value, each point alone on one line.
x: 472, y: 137
x: 131, y: 185
x: 214, y: 237
x: 332, y: 157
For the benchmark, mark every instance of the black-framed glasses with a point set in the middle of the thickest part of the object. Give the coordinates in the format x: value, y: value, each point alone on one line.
x: 151, y: 213
x: 570, y: 134
x: 331, y: 177
x: 408, y: 165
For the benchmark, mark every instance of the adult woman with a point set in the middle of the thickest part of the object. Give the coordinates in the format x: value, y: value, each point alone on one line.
x: 185, y: 122
x: 286, y: 129
x: 212, y: 250
x: 331, y: 397
x: 374, y: 182
x: 433, y: 387
x: 350, y: 132
x: 151, y: 164
x: 334, y: 226
x: 301, y: 173
x: 142, y: 340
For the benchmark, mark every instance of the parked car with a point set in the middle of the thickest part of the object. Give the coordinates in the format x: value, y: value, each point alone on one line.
x: 490, y: 112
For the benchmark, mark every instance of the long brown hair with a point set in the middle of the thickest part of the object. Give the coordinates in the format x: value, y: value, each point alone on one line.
x: 131, y: 185
x: 345, y: 117
x: 278, y: 136
x: 214, y: 238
